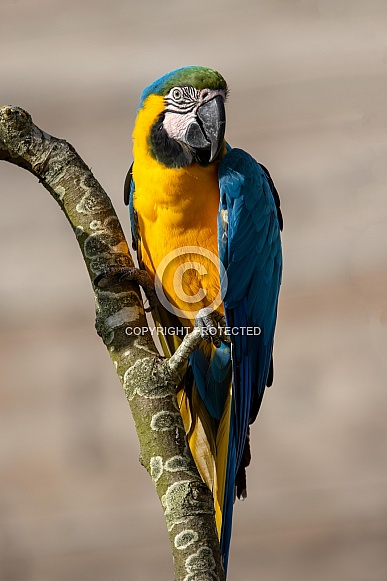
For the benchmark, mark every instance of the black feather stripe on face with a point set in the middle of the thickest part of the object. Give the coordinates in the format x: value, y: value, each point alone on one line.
x: 181, y: 100
x: 167, y: 151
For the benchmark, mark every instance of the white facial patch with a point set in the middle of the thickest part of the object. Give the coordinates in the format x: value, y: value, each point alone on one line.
x: 176, y: 124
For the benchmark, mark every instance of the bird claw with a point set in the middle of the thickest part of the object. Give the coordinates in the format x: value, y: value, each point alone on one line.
x: 117, y: 275
x: 210, y: 323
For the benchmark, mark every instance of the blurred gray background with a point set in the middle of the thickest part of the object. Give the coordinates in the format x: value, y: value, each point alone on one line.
x: 308, y: 99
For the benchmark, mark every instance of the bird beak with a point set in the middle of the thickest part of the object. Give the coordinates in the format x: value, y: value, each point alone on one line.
x: 212, y: 115
x: 207, y: 131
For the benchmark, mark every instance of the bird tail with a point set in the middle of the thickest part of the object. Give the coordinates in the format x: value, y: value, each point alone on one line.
x: 208, y: 442
x: 205, y: 401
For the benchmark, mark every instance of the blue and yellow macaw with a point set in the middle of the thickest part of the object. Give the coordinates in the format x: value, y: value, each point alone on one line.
x: 191, y: 198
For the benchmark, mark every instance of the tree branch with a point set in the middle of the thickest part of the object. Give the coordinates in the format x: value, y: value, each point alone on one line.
x: 148, y: 379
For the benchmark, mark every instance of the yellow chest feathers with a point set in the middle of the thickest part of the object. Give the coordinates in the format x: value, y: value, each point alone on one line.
x: 176, y: 208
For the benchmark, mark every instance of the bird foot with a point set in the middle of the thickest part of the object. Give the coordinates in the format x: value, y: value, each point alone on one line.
x: 117, y: 275
x: 210, y: 324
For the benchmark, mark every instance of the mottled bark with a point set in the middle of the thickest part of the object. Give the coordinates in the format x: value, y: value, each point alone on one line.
x: 149, y: 380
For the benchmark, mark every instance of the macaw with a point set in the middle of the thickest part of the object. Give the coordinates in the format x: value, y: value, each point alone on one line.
x: 191, y: 198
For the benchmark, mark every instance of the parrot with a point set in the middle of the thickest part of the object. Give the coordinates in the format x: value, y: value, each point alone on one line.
x: 206, y: 226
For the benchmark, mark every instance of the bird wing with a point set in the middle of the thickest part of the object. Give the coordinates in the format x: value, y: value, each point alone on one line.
x: 249, y: 225
x: 129, y: 199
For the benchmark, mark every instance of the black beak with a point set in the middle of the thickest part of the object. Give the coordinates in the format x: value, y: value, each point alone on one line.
x: 209, y: 129
x: 213, y: 118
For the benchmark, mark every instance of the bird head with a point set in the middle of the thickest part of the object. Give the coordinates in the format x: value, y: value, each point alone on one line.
x: 185, y: 114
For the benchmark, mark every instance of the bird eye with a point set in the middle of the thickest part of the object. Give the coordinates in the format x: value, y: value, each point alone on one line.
x: 176, y: 94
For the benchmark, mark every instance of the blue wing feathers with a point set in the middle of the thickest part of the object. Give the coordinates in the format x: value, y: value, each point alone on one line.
x: 250, y: 249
